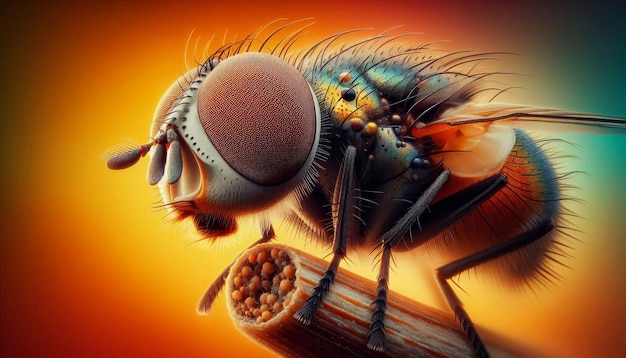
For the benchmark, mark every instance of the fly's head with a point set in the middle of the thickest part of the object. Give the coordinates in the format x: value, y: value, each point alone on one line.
x: 232, y: 138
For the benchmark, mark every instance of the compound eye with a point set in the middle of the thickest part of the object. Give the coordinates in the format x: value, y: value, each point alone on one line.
x: 261, y: 115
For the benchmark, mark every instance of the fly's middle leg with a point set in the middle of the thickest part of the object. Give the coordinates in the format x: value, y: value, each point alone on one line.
x: 389, y: 240
x: 439, y: 215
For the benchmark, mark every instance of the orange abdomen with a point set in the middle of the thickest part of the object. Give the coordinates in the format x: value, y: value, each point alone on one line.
x: 532, y: 191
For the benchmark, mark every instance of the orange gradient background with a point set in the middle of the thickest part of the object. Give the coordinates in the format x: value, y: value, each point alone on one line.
x: 90, y: 268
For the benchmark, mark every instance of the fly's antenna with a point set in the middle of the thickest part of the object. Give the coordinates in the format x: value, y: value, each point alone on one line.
x: 123, y: 157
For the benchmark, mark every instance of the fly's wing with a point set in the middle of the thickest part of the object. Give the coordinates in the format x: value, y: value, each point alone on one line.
x: 528, y: 117
x: 476, y: 138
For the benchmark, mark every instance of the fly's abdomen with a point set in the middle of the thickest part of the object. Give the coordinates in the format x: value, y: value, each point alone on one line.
x: 531, y: 195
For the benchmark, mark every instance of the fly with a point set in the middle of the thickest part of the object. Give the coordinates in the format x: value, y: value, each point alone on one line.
x: 376, y: 143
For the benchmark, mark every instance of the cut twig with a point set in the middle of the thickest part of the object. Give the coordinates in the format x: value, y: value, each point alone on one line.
x: 270, y: 282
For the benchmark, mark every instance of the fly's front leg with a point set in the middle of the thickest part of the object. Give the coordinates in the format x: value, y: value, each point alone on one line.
x: 377, y: 327
x: 343, y: 221
x: 389, y: 240
x: 204, y: 306
x: 540, y: 227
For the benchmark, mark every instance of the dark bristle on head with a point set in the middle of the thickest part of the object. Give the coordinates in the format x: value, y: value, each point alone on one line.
x: 213, y: 225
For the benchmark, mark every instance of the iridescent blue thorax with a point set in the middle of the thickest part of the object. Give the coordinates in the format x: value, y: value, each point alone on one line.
x: 368, y: 105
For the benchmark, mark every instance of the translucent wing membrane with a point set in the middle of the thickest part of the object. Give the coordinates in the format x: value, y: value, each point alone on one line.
x: 528, y: 117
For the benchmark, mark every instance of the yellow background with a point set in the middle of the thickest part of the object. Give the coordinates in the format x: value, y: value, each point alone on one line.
x: 90, y: 268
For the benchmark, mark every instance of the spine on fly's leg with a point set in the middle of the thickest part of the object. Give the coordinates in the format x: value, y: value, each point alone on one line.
x: 269, y: 283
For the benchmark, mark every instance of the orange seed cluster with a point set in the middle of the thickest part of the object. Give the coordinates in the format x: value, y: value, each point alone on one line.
x: 263, y: 285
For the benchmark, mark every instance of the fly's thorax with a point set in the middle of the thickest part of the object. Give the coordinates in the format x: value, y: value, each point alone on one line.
x: 368, y: 108
x: 394, y: 172
x: 347, y: 95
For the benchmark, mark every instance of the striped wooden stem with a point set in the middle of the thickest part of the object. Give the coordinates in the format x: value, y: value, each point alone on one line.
x: 270, y: 282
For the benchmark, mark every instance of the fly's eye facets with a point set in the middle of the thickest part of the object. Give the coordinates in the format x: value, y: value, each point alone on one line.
x: 260, y: 114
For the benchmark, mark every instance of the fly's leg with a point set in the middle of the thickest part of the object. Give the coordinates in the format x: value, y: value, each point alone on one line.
x: 204, y: 306
x: 389, y: 240
x: 343, y: 209
x: 377, y: 327
x: 542, y: 226
x: 440, y: 215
